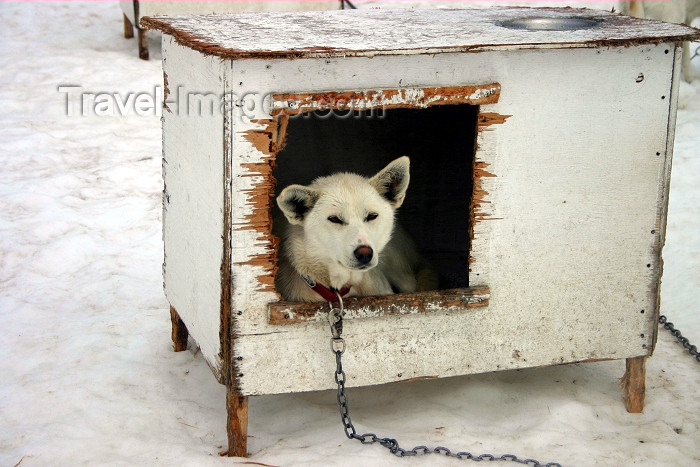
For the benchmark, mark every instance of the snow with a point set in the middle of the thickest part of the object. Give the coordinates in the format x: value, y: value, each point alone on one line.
x: 87, y: 372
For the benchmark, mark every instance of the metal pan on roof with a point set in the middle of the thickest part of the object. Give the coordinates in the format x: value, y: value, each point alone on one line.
x: 565, y: 23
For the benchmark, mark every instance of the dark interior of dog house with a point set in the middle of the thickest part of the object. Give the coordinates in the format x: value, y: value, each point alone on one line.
x: 441, y: 143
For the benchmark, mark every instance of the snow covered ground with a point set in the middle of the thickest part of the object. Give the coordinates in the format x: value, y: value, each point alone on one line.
x: 87, y: 374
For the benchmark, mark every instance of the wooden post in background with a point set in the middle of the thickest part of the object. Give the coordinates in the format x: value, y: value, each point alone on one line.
x: 128, y: 28
x: 143, y: 43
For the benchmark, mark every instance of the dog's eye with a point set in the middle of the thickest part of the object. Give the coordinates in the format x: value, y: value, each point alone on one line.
x: 335, y: 219
x: 371, y: 216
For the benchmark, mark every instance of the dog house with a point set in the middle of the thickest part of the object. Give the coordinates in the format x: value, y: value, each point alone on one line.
x: 540, y: 144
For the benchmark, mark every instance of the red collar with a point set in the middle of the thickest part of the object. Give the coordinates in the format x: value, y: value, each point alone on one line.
x: 328, y: 295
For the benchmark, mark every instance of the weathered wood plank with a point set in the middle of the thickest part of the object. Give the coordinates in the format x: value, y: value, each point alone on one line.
x: 387, y: 305
x: 348, y: 33
x: 193, y: 200
x: 413, y: 98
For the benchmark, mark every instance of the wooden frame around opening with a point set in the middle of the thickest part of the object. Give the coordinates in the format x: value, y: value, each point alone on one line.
x: 271, y: 140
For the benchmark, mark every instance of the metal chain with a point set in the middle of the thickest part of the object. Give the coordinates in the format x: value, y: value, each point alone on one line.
x: 338, y: 347
x: 692, y: 350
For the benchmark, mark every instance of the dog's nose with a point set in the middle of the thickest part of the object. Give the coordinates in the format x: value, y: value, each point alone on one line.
x: 364, y: 253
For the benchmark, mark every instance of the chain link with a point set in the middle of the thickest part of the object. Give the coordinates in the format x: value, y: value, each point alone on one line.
x: 692, y: 350
x: 338, y: 347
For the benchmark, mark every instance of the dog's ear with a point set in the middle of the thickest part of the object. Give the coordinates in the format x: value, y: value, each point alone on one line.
x: 392, y: 181
x: 295, y: 201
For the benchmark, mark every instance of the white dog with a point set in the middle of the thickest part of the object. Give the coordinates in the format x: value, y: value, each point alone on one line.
x: 342, y: 238
x: 670, y: 11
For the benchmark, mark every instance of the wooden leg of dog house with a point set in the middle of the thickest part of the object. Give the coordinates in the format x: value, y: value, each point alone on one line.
x: 128, y: 28
x: 179, y: 331
x: 143, y: 44
x: 237, y: 424
x: 633, y: 384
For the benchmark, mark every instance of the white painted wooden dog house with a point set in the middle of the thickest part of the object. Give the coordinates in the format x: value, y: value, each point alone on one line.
x: 540, y: 144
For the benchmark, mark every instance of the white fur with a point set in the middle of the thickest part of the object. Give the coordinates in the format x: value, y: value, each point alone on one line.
x: 333, y: 216
x: 670, y: 11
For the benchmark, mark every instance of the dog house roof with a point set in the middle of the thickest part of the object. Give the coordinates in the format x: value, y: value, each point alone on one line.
x: 343, y: 33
